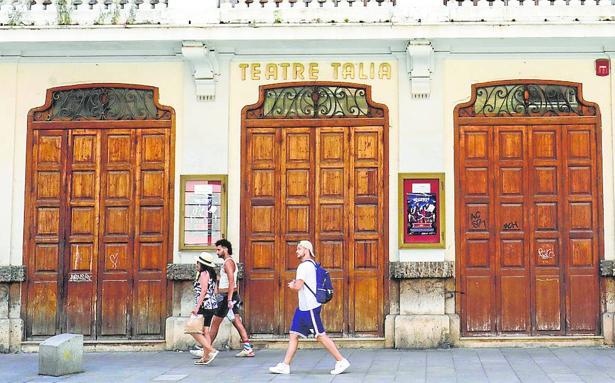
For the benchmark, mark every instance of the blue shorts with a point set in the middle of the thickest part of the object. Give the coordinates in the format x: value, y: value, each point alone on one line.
x: 307, y: 322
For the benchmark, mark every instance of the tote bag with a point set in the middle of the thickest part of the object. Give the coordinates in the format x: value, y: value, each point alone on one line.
x: 194, y: 324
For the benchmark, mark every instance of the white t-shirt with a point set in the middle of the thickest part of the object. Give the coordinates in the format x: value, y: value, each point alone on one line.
x: 307, y: 273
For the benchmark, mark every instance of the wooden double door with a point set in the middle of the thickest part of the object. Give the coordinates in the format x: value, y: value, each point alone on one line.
x: 312, y: 180
x: 529, y: 224
x: 98, y: 206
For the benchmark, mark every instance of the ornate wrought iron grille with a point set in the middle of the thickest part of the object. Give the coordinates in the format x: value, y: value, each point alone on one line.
x: 523, y: 100
x: 315, y: 102
x: 102, y: 104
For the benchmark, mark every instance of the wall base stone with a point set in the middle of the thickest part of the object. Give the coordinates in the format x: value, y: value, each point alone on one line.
x: 228, y: 337
x: 454, y: 328
x: 608, y: 328
x: 10, y: 335
x: 422, y: 296
x: 389, y: 331
x: 422, y: 331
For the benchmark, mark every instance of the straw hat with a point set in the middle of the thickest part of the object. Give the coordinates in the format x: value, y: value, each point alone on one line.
x: 206, y: 259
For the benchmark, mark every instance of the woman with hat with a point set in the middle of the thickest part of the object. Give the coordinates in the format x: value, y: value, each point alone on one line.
x: 205, y: 303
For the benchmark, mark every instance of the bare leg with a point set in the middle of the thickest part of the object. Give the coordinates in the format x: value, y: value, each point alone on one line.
x: 203, y: 340
x: 330, y: 346
x: 240, y: 329
x: 215, y: 326
x: 293, y: 342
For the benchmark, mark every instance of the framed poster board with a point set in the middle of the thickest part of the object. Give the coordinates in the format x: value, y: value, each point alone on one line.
x: 203, y: 207
x: 421, y: 210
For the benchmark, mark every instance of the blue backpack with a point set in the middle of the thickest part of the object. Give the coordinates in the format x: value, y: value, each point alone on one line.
x: 324, y: 288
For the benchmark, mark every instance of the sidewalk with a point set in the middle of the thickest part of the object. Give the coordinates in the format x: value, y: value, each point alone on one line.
x: 460, y: 365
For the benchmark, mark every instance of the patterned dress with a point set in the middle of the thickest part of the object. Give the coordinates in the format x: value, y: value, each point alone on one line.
x: 210, y: 302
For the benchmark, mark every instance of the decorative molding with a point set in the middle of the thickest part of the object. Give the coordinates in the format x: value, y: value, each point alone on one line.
x: 527, y: 99
x: 12, y: 274
x: 99, y: 102
x: 607, y: 268
x: 421, y: 270
x: 187, y: 271
x: 205, y: 68
x: 317, y: 100
x: 419, y: 65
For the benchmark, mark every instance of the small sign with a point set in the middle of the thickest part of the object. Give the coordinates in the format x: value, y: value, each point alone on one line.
x: 421, y: 188
x: 202, y: 211
x: 602, y: 67
x: 80, y: 277
x: 203, y: 189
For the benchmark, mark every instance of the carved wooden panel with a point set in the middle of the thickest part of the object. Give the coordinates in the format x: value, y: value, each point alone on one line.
x: 44, y: 228
x: 323, y: 184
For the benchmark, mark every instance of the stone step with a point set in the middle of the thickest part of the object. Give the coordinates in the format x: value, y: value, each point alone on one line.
x: 531, y: 341
x: 259, y: 343
x: 282, y: 342
x: 107, y: 345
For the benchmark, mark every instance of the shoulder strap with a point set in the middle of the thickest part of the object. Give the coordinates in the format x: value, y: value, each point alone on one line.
x: 305, y: 284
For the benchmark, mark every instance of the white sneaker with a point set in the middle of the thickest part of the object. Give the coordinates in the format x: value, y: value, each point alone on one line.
x: 340, y: 367
x: 197, y: 353
x: 280, y: 368
x: 246, y: 352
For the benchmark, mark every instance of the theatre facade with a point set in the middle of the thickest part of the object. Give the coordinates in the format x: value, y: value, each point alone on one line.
x: 456, y: 179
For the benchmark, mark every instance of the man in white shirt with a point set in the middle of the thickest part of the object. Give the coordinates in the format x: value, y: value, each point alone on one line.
x: 307, y: 320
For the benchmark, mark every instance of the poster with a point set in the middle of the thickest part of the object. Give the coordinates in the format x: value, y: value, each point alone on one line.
x: 422, y: 214
x: 421, y: 218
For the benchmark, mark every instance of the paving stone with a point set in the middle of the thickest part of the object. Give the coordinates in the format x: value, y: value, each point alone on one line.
x: 557, y: 378
x: 412, y: 366
x: 169, y: 378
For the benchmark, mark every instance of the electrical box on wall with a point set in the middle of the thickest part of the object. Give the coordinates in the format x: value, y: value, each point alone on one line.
x: 602, y: 67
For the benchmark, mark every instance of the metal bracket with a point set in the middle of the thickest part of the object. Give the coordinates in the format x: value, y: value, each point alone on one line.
x: 419, y: 66
x: 205, y: 68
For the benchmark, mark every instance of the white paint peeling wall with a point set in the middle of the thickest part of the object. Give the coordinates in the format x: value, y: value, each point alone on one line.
x: 8, y: 79
x: 422, y: 149
x: 205, y: 144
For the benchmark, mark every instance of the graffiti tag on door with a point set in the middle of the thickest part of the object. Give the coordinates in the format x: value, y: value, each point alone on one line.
x: 546, y: 253
x: 477, y: 221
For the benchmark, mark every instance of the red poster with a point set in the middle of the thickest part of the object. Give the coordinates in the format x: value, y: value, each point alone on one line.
x: 422, y: 212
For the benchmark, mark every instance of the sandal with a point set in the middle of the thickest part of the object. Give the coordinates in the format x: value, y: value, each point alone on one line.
x: 212, y: 356
x: 201, y: 362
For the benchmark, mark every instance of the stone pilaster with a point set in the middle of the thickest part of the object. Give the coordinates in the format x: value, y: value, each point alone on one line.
x: 11, y: 325
x: 424, y: 304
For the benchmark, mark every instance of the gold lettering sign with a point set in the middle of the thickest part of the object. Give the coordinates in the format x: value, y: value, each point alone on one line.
x: 312, y: 71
